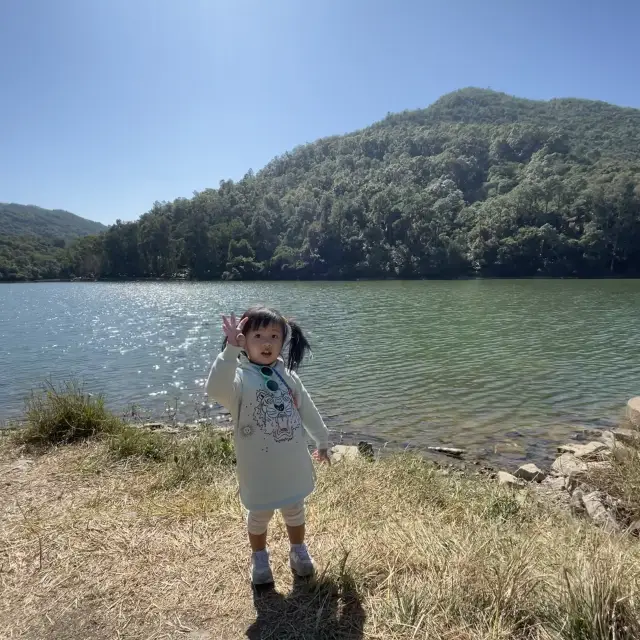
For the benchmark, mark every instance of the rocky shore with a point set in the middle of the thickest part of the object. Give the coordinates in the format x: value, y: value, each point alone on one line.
x: 571, y: 481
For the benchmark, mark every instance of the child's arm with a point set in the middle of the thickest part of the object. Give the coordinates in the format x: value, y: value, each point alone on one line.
x: 221, y: 384
x: 311, y: 419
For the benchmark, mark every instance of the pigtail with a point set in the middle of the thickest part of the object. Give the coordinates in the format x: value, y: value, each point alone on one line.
x: 298, y: 346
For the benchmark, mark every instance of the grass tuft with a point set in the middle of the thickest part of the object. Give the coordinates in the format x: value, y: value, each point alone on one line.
x: 64, y: 414
x: 128, y: 441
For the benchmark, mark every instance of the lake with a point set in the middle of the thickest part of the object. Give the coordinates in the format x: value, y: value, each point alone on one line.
x: 505, y: 368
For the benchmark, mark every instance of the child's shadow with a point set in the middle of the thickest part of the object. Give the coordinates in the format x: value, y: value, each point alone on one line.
x: 318, y: 608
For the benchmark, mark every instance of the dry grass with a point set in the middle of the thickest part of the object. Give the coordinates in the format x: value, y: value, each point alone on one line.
x: 97, y: 547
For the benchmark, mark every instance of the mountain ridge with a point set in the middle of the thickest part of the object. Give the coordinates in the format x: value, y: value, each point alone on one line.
x: 19, y: 220
x: 478, y: 183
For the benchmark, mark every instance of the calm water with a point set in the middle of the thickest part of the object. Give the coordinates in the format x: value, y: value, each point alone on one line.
x: 512, y: 367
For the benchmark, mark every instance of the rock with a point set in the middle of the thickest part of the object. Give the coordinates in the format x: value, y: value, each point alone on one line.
x: 366, y: 449
x: 575, y: 504
x: 154, y: 425
x: 609, y: 439
x: 556, y: 484
x: 598, y: 466
x: 507, y: 448
x: 507, y: 480
x: 344, y: 452
x: 448, y: 451
x: 633, y: 411
x: 568, y: 448
x: 593, y: 504
x: 589, y: 451
x: 567, y: 464
x: 530, y: 473
x: 627, y: 436
x: 624, y: 454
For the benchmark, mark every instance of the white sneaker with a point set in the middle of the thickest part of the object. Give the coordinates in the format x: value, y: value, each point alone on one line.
x: 260, y: 568
x: 301, y: 562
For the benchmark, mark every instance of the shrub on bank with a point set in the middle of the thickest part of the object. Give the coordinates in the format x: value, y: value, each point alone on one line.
x: 64, y: 414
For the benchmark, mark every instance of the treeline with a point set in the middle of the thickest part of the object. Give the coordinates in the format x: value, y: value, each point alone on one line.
x: 478, y: 183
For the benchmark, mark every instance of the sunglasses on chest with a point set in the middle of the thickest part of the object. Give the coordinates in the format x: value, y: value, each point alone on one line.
x: 268, y: 375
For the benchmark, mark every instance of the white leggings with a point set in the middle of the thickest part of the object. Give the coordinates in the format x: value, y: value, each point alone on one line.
x: 258, y: 521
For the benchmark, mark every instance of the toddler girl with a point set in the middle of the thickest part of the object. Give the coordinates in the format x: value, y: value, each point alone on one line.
x: 271, y: 410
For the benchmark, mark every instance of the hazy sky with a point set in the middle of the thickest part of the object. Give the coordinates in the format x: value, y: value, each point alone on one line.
x: 108, y: 105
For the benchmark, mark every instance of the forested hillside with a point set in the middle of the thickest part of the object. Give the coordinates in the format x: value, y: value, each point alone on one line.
x: 477, y: 183
x: 32, y: 240
x: 22, y: 220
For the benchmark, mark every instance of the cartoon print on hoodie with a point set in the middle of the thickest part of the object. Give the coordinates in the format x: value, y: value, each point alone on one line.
x: 276, y: 415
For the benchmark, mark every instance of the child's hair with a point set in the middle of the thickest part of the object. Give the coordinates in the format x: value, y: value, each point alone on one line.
x: 260, y: 317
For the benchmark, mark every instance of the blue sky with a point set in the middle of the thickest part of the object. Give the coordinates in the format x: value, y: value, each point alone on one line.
x: 109, y: 105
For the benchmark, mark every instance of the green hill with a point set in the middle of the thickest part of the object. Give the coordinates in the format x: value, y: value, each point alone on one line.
x: 33, y: 241
x: 22, y: 220
x: 478, y: 183
x: 589, y: 125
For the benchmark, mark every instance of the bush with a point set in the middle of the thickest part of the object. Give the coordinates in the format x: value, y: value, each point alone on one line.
x: 65, y: 414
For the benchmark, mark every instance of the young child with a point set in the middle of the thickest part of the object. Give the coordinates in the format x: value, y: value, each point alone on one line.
x: 271, y: 410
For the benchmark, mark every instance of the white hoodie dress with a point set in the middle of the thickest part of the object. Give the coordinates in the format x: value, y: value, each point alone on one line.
x: 273, y: 463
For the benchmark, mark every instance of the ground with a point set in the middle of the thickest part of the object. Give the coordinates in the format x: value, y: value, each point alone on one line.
x: 92, y: 546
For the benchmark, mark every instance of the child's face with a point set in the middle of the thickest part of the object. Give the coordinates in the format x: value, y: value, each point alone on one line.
x: 264, y: 345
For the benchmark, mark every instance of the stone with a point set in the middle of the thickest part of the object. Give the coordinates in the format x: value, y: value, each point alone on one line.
x: 366, y: 449
x: 556, y: 484
x: 507, y: 480
x: 448, y: 451
x: 567, y: 464
x: 508, y: 447
x: 530, y: 473
x: 627, y: 436
x: 154, y: 425
x: 575, y: 504
x: 344, y: 452
x: 624, y: 454
x: 598, y: 466
x: 593, y: 504
x: 609, y: 439
x: 633, y: 411
x: 568, y: 448
x: 589, y: 451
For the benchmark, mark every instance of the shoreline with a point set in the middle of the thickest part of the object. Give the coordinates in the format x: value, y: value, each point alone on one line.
x: 464, y: 278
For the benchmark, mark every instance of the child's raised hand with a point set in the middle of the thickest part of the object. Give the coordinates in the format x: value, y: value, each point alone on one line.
x: 232, y: 329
